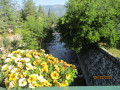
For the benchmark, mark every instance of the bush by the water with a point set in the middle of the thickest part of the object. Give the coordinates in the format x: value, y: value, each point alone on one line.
x: 30, y: 69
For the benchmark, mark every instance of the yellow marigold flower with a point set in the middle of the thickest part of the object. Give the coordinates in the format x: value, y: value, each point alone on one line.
x: 54, y: 80
x: 20, y: 65
x: 47, y: 84
x: 34, y: 53
x: 46, y: 55
x: 36, y: 62
x: 13, y: 76
x: 65, y: 83
x: 32, y: 85
x: 74, y: 67
x: 14, y: 52
x: 8, y: 60
x: 23, y: 60
x: 22, y: 82
x: 32, y: 78
x: 34, y: 67
x: 12, y: 84
x: 42, y: 50
x: 44, y: 64
x: 68, y: 65
x: 4, y: 67
x: 45, y: 69
x: 54, y: 59
x: 61, y: 61
x: 40, y: 78
x: 54, y: 75
x: 56, y: 68
x: 28, y: 55
x: 59, y: 84
x: 68, y: 76
x: 14, y: 70
x: 49, y: 61
x: 39, y: 85
x: 7, y: 82
x: 29, y: 66
x: 63, y: 68
x: 7, y: 71
x: 25, y: 74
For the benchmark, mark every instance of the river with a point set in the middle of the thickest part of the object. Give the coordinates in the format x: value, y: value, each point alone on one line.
x: 57, y: 49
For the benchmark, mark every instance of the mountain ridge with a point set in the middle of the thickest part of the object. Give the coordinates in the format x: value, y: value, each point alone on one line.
x: 57, y: 9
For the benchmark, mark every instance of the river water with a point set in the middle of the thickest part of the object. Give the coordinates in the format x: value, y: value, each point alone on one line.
x: 57, y: 49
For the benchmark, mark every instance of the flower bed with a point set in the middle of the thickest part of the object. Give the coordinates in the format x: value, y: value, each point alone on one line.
x: 30, y: 69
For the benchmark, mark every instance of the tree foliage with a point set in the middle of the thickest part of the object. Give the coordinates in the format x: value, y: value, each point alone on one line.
x: 32, y: 24
x: 34, y: 32
x: 29, y: 9
x: 9, y: 21
x: 8, y: 17
x: 90, y: 21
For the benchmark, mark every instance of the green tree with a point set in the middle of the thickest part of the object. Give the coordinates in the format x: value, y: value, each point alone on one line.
x: 88, y: 22
x: 33, y: 32
x: 8, y: 21
x: 28, y: 9
x: 49, y: 12
x: 54, y: 18
x: 7, y: 15
x: 41, y: 12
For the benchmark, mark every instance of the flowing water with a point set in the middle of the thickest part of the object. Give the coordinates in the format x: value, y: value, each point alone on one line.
x: 57, y: 49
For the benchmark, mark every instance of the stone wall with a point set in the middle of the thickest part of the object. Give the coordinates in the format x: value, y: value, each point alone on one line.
x: 99, y: 67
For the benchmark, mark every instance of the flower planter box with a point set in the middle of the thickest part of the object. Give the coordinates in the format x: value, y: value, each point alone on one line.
x: 73, y: 88
x: 32, y: 69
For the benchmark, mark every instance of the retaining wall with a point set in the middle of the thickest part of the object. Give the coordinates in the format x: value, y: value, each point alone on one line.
x: 99, y: 67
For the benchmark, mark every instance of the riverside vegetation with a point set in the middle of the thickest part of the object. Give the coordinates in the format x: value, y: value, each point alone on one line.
x: 33, y: 24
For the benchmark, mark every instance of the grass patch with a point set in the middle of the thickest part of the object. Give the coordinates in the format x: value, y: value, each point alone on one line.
x: 112, y: 50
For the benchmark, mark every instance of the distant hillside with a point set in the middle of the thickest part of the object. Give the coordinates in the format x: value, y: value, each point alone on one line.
x: 59, y: 10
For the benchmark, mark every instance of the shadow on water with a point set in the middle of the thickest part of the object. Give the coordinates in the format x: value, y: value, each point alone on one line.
x: 57, y: 49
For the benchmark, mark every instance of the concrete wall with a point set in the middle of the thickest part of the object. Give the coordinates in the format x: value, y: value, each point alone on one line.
x: 98, y: 62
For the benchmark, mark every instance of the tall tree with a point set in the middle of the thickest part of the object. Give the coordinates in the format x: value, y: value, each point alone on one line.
x: 49, y: 13
x: 29, y: 9
x: 41, y: 12
x: 8, y: 20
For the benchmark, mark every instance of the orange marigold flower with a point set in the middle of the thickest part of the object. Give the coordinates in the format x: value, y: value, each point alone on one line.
x: 54, y: 75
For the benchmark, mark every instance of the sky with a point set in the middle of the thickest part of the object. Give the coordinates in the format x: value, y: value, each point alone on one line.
x: 46, y: 2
